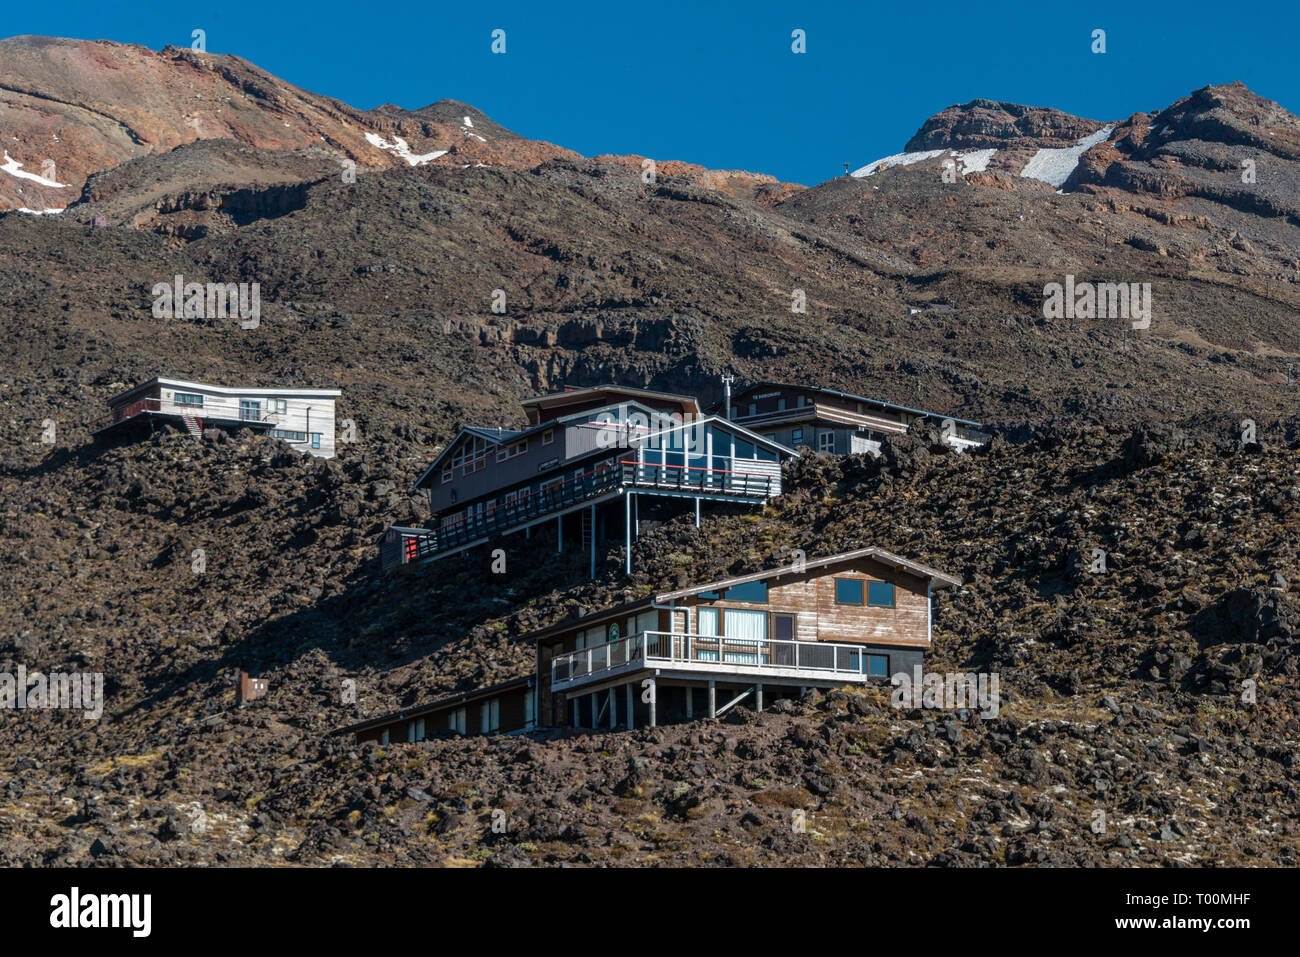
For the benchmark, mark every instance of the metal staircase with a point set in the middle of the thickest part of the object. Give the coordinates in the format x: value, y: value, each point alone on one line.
x: 193, y: 425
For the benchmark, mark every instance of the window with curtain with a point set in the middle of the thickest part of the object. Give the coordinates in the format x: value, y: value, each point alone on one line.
x: 745, y: 632
x: 708, y: 625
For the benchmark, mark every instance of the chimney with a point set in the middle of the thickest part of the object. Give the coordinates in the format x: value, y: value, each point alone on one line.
x: 726, y: 396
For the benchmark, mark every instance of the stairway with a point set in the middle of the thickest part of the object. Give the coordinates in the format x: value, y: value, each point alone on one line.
x: 193, y: 425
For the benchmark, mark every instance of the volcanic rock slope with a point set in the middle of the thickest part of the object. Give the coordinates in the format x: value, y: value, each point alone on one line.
x: 1122, y: 691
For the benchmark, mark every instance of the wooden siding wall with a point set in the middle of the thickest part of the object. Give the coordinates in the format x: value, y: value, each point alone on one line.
x: 818, y: 617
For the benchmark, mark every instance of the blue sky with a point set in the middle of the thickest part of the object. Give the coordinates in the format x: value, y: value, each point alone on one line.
x: 717, y: 83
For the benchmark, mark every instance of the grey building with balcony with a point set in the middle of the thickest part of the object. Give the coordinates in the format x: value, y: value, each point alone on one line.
x: 592, y: 463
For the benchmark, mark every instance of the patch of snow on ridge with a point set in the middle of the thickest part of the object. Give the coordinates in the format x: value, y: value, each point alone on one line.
x: 898, y: 159
x: 976, y: 161
x: 400, y: 148
x: 1054, y: 166
x: 39, y: 212
x: 468, y: 122
x: 14, y: 168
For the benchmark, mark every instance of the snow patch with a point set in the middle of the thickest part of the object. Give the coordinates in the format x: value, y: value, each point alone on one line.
x: 1054, y: 166
x: 898, y: 159
x: 400, y: 148
x: 468, y: 122
x: 14, y: 168
x: 975, y: 161
x: 39, y: 212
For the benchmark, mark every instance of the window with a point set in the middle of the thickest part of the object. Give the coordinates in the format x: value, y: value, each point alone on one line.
x: 189, y: 399
x: 746, y: 633
x: 880, y: 594
x: 489, y: 714
x: 780, y: 405
x: 710, y: 595
x: 415, y: 730
x: 456, y: 720
x: 383, y: 736
x: 796, y: 436
x: 528, y: 706
x: 848, y: 591
x: 315, y: 440
x: 646, y: 621
x: 753, y: 408
x: 548, y: 437
x: 749, y: 591
x: 826, y: 442
x: 707, y: 624
x: 512, y: 450
x: 277, y: 405
x: 446, y: 476
x: 250, y: 410
x: 288, y: 434
x: 470, y: 455
x: 878, y: 666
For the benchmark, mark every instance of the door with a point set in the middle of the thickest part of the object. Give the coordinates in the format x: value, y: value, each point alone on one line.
x: 782, y: 631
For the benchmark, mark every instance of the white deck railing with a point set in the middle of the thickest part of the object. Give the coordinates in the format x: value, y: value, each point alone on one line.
x: 221, y: 409
x: 713, y: 653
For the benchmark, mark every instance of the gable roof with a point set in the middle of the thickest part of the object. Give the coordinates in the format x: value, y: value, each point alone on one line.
x: 935, y: 577
x: 849, y: 395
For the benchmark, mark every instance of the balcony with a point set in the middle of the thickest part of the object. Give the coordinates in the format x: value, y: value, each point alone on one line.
x: 212, y: 410
x: 713, y: 655
x: 729, y: 479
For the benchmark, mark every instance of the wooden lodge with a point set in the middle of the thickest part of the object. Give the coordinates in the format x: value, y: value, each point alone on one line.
x: 829, y: 421
x: 590, y: 462
x: 697, y: 652
x: 304, y: 418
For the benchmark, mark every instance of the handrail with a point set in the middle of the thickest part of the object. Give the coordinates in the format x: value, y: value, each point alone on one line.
x: 606, y: 476
x: 212, y: 408
x: 757, y: 654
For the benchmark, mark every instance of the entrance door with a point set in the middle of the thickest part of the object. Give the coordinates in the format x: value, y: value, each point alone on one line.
x: 782, y: 630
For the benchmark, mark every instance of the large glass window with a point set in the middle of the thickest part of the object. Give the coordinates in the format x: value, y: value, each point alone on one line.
x: 746, y: 632
x: 749, y: 591
x: 189, y: 399
x: 708, y: 625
